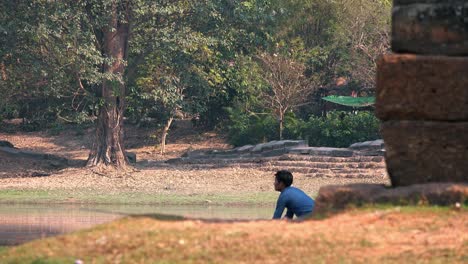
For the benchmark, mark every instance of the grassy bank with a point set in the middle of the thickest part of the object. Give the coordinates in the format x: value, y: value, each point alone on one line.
x: 99, y: 197
x: 3, y: 249
x: 360, y: 236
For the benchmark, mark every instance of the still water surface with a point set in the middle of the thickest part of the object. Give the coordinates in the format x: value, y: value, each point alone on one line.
x: 22, y: 223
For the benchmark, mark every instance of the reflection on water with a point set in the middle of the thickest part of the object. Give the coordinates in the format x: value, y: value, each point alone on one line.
x: 21, y: 223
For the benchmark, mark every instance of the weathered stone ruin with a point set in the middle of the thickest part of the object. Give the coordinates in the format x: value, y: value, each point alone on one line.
x: 422, y: 100
x: 422, y: 93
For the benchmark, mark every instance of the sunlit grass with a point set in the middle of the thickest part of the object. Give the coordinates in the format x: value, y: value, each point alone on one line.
x: 152, y: 240
x: 95, y: 197
x: 411, y: 208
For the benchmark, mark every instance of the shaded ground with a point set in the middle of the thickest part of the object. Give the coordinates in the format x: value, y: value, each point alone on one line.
x: 377, y: 236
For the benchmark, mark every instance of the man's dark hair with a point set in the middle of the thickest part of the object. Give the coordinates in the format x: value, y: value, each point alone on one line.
x: 284, y: 176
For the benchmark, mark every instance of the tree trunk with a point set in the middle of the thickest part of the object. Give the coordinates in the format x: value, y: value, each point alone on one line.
x: 2, y: 69
x: 281, y: 126
x: 164, y: 134
x: 108, y: 148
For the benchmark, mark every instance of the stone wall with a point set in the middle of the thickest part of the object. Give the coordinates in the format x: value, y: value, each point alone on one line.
x: 278, y: 148
x: 422, y: 92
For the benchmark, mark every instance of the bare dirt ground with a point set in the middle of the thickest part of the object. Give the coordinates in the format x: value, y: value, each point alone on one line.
x: 150, y: 174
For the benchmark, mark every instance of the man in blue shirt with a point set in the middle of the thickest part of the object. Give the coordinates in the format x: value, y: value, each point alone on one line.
x: 294, y: 200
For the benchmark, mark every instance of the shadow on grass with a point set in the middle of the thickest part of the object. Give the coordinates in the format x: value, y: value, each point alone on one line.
x: 171, y: 218
x: 177, y: 218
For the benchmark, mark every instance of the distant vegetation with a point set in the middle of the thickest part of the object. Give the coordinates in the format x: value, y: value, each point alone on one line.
x: 257, y: 66
x: 337, y: 129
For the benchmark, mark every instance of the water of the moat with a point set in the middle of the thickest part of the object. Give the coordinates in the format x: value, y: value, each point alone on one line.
x: 22, y: 223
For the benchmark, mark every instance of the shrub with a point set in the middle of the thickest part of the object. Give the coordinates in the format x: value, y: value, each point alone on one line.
x: 337, y: 129
x: 245, y: 129
x: 340, y: 129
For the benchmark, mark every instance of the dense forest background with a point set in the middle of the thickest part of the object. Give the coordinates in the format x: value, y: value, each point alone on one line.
x: 254, y: 69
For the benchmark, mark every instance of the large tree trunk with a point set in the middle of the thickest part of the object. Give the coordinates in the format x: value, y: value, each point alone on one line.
x: 108, y: 148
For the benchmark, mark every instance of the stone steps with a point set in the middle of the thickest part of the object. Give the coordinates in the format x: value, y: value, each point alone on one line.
x: 328, y: 165
x: 332, y: 159
x: 319, y: 170
x: 308, y: 165
x: 330, y: 170
x: 306, y: 158
x: 310, y: 169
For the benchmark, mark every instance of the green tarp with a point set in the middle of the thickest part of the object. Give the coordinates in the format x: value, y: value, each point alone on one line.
x: 350, y: 101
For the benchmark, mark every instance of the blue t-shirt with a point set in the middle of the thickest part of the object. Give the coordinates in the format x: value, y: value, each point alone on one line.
x: 296, y: 201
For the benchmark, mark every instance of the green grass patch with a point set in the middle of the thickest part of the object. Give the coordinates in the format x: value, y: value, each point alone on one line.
x: 40, y: 260
x: 442, y: 211
x: 25, y: 195
x: 3, y: 249
x: 410, y: 208
x: 97, y: 197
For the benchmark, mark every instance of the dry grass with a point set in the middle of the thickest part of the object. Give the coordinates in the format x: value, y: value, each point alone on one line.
x: 382, y: 236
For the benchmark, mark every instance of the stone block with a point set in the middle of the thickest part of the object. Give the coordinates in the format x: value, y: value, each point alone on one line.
x: 330, y: 152
x: 295, y: 143
x: 273, y: 152
x: 424, y: 151
x: 6, y: 144
x: 258, y: 148
x: 336, y: 197
x: 132, y: 158
x: 430, y: 27
x: 225, y: 156
x: 8, y: 150
x: 415, y: 87
x: 299, y: 150
x: 369, y: 153
x: 368, y: 145
x: 411, y: 2
x: 194, y: 154
x: 272, y: 145
x: 244, y: 149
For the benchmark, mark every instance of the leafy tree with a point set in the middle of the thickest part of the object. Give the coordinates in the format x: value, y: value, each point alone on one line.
x: 90, y: 51
x: 364, y: 27
x: 167, y: 88
x: 104, y: 59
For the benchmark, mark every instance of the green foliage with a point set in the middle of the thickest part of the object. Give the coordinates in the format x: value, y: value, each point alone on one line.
x: 247, y: 129
x: 190, y: 46
x: 197, y: 57
x: 253, y: 129
x: 55, y: 129
x: 340, y: 129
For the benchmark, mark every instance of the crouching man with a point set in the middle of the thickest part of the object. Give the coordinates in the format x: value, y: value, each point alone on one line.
x: 294, y: 200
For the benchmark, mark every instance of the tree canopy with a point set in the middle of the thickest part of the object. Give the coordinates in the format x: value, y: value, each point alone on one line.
x: 105, y: 60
